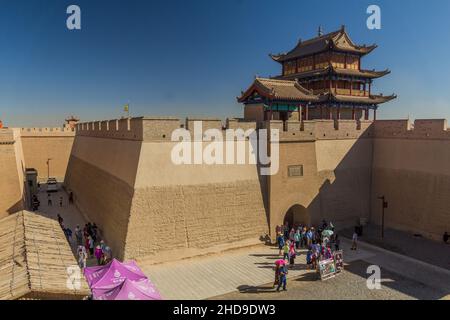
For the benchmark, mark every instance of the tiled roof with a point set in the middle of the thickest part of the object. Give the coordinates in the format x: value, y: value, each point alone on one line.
x: 370, y: 100
x: 339, y: 40
x: 279, y: 90
x: 371, y: 74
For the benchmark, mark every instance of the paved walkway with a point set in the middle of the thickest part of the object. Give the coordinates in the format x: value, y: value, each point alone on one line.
x: 201, y: 278
x: 251, y: 271
x: 433, y: 252
x: 72, y: 217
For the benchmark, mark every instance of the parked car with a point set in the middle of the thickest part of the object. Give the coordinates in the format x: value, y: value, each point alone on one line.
x: 52, y: 185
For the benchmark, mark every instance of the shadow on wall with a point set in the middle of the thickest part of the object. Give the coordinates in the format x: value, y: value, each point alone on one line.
x: 335, y: 185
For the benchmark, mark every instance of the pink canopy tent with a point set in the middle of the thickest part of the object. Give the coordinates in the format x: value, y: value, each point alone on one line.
x: 131, y: 290
x: 103, y: 280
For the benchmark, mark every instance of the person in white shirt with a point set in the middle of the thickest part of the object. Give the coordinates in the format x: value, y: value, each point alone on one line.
x: 354, y: 240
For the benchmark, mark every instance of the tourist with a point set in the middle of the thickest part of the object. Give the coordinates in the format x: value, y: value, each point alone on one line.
x: 68, y: 234
x: 292, y: 254
x: 102, y: 244
x: 309, y: 257
x: 82, y: 257
x: 286, y: 250
x: 280, y: 241
x: 49, y: 199
x: 282, y: 278
x: 354, y: 240
x: 303, y: 242
x: 60, y: 219
x: 71, y: 197
x: 297, y: 238
x: 337, y: 242
x: 79, y: 235
x: 292, y: 235
x: 107, y: 254
x: 309, y: 237
x: 60, y: 202
x: 445, y: 237
x: 327, y: 253
x: 98, y: 254
x: 278, y: 229
x: 286, y: 231
x: 94, y: 231
x: 277, y: 275
x: 91, y: 245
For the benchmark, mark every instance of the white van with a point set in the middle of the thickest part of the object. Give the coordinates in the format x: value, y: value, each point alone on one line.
x: 52, y: 185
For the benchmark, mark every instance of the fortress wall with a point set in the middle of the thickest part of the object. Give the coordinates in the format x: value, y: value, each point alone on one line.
x: 183, y: 209
x: 411, y: 169
x: 336, y: 158
x: 140, y: 198
x: 11, y: 188
x: 101, y: 175
x: 39, y: 144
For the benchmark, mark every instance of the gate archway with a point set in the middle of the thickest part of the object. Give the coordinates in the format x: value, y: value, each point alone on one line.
x: 296, y: 215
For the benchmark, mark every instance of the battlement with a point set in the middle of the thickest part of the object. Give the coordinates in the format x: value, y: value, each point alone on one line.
x: 313, y: 130
x: 6, y: 136
x: 405, y: 129
x: 153, y: 128
x: 47, y: 132
x: 161, y: 128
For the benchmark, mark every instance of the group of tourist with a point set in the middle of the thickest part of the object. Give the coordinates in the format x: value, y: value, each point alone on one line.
x: 320, y: 243
x: 89, y: 246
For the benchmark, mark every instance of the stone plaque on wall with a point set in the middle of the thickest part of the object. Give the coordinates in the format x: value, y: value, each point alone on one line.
x: 295, y: 171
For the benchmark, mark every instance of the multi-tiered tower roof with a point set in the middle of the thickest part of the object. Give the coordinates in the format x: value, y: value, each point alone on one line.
x: 322, y: 76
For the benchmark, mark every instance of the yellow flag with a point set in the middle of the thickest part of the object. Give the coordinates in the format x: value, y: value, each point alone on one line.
x: 126, y: 108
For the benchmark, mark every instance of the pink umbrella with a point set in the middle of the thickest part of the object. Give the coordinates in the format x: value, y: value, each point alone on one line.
x: 280, y: 262
x: 112, y: 274
x: 131, y: 290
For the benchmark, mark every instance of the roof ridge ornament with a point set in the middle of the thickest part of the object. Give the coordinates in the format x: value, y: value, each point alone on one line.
x: 320, y: 31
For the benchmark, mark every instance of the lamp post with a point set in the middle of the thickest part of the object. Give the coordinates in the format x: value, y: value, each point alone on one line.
x: 48, y: 168
x: 384, y: 206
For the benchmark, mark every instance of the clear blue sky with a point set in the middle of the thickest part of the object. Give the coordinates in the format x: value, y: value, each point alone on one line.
x: 194, y: 57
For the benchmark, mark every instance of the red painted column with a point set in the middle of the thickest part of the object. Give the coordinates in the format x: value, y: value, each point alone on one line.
x: 366, y: 114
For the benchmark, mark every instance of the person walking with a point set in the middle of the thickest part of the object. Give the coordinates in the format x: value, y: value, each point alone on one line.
x: 354, y: 240
x: 286, y: 250
x: 280, y: 241
x: 292, y: 254
x: 277, y: 275
x: 445, y: 237
x: 337, y: 242
x: 82, y: 257
x: 98, y: 254
x: 297, y: 238
x: 309, y: 237
x: 79, y: 236
x: 60, y: 202
x: 282, y: 278
x: 60, y: 219
x: 91, y: 245
x: 49, y: 199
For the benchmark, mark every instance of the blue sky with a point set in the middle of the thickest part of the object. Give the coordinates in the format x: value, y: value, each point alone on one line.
x: 194, y: 57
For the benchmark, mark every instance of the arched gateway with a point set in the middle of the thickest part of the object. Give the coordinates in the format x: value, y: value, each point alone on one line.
x: 296, y: 215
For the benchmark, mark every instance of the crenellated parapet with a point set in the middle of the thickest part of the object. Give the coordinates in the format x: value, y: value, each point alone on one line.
x: 313, y: 130
x: 154, y: 128
x: 405, y: 129
x: 161, y: 128
x: 47, y: 132
x: 6, y: 136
